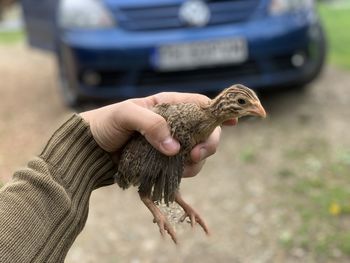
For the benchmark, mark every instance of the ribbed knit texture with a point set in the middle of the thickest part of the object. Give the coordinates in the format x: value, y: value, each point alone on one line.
x: 45, y: 206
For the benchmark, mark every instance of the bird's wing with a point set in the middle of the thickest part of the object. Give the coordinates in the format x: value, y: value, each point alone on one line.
x: 129, y: 165
x: 157, y: 175
x: 164, y: 179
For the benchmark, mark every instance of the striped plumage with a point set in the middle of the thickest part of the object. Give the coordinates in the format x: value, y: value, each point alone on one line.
x: 158, y: 176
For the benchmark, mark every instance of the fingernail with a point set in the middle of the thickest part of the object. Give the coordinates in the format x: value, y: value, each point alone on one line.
x: 170, y: 145
x: 202, y: 153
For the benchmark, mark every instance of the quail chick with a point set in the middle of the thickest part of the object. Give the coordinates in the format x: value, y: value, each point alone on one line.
x: 158, y: 176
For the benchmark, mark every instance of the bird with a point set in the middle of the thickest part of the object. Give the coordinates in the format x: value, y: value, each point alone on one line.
x: 158, y: 176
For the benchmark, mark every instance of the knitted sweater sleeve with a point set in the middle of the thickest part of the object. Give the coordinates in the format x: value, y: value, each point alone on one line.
x: 45, y: 206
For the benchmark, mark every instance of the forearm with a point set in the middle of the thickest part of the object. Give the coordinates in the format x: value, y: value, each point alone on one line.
x: 45, y: 206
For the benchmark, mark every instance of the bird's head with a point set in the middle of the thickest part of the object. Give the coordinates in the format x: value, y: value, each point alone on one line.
x: 237, y: 101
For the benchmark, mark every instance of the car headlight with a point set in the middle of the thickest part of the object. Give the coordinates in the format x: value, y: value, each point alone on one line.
x: 279, y: 7
x: 84, y: 14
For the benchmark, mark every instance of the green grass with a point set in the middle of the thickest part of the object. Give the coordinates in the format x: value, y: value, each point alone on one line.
x: 336, y: 19
x: 248, y: 155
x: 319, y: 194
x: 11, y: 37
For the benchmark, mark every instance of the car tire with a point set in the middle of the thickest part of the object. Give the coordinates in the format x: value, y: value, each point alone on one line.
x: 319, y: 63
x: 66, y: 81
x: 70, y: 97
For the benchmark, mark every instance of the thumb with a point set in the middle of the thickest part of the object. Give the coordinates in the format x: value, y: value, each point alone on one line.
x: 151, y: 125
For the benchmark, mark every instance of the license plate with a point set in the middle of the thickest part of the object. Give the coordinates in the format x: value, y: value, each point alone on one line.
x: 182, y: 56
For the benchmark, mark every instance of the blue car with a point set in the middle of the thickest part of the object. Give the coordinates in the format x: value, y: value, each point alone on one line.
x: 117, y: 49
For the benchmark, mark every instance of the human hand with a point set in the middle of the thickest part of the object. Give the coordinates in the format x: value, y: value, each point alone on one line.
x: 112, y: 126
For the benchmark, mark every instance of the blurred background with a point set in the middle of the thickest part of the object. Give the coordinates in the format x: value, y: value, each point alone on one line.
x: 276, y: 191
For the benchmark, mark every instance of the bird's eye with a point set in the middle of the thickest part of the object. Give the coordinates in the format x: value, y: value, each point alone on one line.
x: 241, y: 101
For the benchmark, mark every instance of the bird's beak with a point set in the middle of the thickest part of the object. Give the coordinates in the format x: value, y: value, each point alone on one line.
x: 258, y: 110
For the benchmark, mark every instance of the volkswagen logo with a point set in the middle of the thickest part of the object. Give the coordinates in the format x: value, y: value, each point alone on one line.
x: 194, y: 13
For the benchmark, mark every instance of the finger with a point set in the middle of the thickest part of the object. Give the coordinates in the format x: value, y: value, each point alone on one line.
x: 151, y: 125
x: 177, y: 97
x: 193, y: 169
x: 207, y: 148
x: 231, y: 122
x: 120, y: 120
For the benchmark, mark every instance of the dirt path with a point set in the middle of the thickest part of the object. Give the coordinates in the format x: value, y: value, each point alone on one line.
x: 239, y: 192
x: 30, y: 107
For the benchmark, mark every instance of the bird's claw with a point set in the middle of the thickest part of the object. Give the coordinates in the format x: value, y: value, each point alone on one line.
x: 165, y: 226
x: 194, y: 217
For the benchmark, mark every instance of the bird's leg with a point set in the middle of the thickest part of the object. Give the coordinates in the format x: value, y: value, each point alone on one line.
x: 159, y: 218
x: 191, y: 213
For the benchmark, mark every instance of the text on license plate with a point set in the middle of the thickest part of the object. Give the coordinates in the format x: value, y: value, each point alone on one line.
x: 202, y: 53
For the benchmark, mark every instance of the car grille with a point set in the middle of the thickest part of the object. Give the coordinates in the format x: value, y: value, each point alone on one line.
x: 157, y: 17
x: 151, y: 77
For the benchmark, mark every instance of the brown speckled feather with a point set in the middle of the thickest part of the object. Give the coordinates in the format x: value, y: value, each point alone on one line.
x: 157, y: 175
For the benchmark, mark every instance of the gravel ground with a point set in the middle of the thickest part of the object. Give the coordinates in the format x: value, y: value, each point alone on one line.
x: 238, y: 197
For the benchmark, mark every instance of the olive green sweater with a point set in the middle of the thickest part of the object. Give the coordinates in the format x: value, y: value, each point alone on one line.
x: 45, y: 206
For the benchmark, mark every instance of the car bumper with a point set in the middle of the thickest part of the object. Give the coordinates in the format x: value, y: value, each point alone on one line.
x: 117, y: 64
